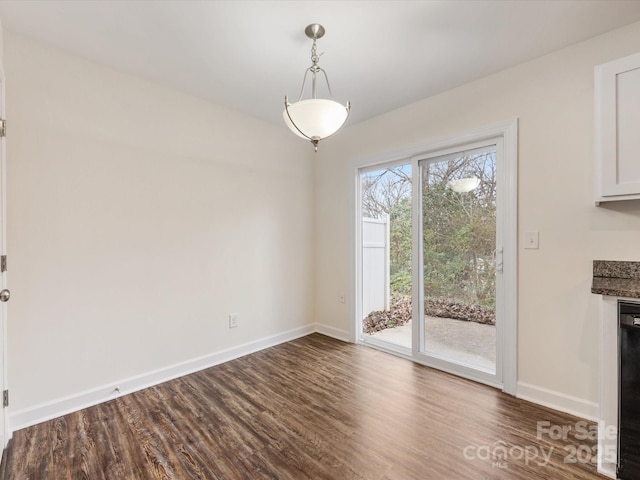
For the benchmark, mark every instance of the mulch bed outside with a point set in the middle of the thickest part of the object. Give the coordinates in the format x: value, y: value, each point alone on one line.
x: 399, y: 313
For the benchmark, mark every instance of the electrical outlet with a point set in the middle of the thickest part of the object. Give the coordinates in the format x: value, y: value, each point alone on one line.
x: 233, y: 320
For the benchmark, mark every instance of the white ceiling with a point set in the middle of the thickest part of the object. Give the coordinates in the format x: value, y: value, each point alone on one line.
x: 380, y: 55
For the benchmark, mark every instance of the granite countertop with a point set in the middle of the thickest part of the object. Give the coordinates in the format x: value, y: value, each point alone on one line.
x: 618, y: 279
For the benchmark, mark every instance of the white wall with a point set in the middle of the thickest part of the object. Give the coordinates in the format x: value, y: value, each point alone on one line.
x: 553, y: 99
x: 139, y: 218
x: 1, y: 44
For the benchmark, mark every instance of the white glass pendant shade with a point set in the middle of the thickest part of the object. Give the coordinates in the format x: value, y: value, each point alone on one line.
x: 315, y: 118
x: 464, y: 185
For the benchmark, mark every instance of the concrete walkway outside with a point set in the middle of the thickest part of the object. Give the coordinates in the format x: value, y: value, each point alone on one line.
x: 461, y: 341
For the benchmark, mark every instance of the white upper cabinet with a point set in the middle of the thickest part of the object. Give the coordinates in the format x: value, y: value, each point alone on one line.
x: 617, y: 115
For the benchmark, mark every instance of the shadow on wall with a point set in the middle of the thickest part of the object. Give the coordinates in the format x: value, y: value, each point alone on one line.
x: 622, y: 215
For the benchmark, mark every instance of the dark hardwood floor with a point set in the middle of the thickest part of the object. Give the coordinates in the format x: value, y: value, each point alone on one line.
x: 314, y: 408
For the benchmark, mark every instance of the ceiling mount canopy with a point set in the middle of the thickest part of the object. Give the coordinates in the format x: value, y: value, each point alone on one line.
x: 315, y: 118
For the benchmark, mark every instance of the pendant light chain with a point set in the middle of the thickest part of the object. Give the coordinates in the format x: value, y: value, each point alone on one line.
x: 314, y: 68
x: 315, y: 58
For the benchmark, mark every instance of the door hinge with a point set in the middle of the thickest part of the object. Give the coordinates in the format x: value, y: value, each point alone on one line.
x: 3, y: 128
x: 3, y: 263
x: 5, y: 398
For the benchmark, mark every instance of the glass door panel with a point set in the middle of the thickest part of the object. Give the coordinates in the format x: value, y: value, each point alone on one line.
x: 458, y: 247
x: 386, y: 233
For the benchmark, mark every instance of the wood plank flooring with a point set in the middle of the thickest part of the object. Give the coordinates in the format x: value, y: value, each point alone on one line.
x: 314, y: 408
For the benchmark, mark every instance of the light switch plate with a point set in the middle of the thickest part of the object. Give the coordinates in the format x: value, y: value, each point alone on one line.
x: 531, y: 240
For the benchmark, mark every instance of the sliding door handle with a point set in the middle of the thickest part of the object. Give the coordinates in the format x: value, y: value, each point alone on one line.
x: 499, y: 260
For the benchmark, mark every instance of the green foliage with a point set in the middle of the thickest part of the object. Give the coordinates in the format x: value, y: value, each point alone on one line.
x: 400, y: 233
x: 459, y: 241
x: 458, y: 228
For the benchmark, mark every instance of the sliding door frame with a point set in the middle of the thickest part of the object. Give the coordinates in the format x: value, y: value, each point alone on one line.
x: 355, y: 171
x: 505, y: 135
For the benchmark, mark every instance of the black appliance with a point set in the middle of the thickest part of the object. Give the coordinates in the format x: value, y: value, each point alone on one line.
x: 629, y: 391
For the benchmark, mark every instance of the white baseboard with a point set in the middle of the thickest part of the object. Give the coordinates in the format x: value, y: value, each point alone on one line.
x: 559, y: 401
x: 46, y: 411
x: 333, y: 332
x: 608, y: 470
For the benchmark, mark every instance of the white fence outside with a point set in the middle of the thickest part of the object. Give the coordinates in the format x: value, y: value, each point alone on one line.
x: 375, y: 264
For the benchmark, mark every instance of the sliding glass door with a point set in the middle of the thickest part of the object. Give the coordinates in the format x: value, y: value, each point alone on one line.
x: 435, y: 256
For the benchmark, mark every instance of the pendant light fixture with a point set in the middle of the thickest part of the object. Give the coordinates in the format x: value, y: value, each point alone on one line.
x: 315, y: 118
x: 464, y: 185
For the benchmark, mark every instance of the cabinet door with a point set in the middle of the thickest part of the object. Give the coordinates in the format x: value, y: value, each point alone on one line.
x: 617, y: 89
